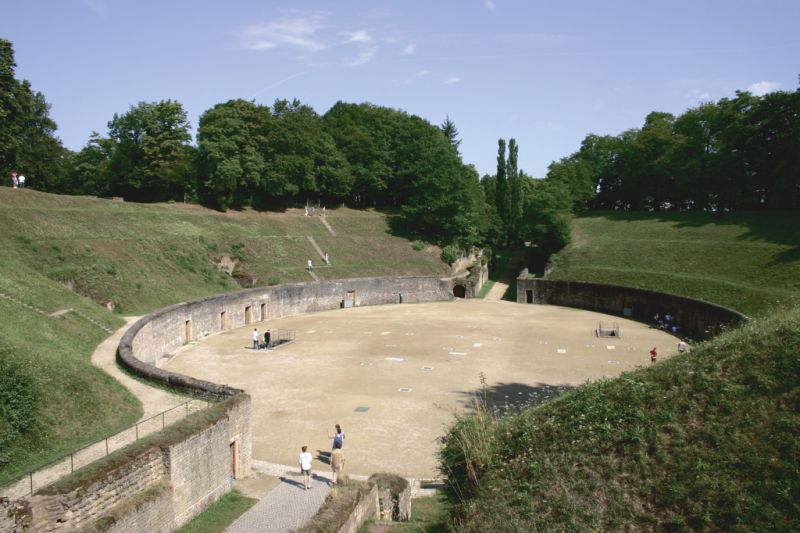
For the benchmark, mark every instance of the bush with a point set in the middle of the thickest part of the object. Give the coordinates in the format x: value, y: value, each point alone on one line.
x: 418, y: 245
x: 450, y: 254
x: 17, y: 403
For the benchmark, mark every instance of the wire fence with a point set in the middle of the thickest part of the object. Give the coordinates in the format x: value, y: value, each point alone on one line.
x: 29, y: 483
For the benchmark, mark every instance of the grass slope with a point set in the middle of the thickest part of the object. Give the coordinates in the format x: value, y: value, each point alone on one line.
x: 709, y: 440
x: 140, y: 257
x: 747, y: 261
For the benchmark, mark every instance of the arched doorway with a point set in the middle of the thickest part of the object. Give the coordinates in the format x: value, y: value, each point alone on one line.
x: 459, y: 291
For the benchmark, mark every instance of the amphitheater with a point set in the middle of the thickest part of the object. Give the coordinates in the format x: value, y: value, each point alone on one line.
x: 392, y: 360
x: 394, y: 375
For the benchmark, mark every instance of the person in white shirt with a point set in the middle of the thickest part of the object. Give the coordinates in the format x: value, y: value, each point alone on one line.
x: 682, y: 346
x: 21, y: 180
x: 305, y: 467
x: 255, y: 338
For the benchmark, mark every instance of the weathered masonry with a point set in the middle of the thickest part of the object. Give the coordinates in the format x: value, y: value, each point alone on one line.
x: 696, y: 318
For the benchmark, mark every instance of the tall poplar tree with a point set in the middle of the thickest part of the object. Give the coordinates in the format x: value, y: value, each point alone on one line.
x: 501, y: 187
x: 515, y: 196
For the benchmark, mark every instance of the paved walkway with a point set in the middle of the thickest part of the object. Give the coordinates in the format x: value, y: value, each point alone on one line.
x: 285, y: 508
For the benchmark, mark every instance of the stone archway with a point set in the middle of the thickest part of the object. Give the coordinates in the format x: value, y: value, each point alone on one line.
x: 459, y: 291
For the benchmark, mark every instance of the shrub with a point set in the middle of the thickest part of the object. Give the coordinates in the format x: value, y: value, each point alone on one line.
x: 418, y: 245
x: 450, y: 254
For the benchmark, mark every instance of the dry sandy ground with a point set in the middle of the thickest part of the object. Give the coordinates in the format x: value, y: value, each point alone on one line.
x: 393, y: 376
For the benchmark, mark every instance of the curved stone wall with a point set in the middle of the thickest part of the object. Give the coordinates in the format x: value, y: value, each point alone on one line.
x: 162, y: 331
x: 696, y: 318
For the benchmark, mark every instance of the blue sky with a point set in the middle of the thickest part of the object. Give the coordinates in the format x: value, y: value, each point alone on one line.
x: 544, y: 72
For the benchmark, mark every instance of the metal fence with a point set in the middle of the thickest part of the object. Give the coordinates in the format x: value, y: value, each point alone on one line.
x: 53, y: 471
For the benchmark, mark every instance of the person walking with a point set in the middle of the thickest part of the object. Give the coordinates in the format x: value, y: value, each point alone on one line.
x: 255, y: 338
x: 682, y: 346
x: 21, y: 181
x: 309, y: 265
x: 14, y: 180
x: 338, y: 437
x: 653, y: 355
x: 305, y: 467
x: 337, y: 462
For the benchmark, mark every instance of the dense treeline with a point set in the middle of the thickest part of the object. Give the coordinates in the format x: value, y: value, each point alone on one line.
x: 740, y: 153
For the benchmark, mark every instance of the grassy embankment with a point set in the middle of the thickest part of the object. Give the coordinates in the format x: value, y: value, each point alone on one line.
x: 70, y: 255
x: 747, y: 261
x: 709, y: 440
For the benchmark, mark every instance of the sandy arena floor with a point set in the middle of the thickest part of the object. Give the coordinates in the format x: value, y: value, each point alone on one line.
x: 393, y: 376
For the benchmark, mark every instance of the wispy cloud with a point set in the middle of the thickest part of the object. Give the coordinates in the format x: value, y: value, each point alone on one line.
x: 763, y: 87
x: 409, y: 50
x: 451, y: 80
x: 364, y: 57
x: 490, y: 5
x: 297, y: 32
x: 361, y: 36
x: 535, y: 39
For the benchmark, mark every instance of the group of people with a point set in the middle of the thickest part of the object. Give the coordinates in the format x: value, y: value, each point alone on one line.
x: 325, y: 259
x: 336, y: 461
x: 17, y: 181
x: 267, y: 340
x: 666, y: 322
x: 682, y: 347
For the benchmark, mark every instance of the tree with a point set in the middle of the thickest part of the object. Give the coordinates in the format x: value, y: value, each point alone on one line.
x: 514, y: 192
x: 27, y: 133
x: 150, y: 159
x: 451, y: 133
x: 501, y: 185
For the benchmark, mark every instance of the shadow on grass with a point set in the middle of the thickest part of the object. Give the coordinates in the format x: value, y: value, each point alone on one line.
x: 503, y: 398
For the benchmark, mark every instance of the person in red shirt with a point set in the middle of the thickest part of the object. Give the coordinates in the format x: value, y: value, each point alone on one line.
x: 653, y: 355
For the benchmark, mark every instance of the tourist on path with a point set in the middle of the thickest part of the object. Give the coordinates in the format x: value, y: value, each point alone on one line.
x: 338, y: 437
x: 309, y: 265
x: 266, y: 339
x: 653, y: 355
x: 14, y: 180
x: 255, y: 338
x: 305, y: 467
x: 682, y: 346
x: 337, y: 461
x: 21, y: 181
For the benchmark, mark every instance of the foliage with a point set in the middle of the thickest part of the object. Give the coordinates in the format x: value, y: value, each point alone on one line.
x: 450, y: 254
x: 740, y: 153
x: 18, y: 402
x: 338, y: 506
x: 151, y: 159
x: 704, y: 440
x: 451, y: 133
x: 418, y: 245
x: 28, y: 144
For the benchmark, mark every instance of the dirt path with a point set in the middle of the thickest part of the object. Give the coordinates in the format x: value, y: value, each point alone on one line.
x: 153, y: 400
x: 508, y: 277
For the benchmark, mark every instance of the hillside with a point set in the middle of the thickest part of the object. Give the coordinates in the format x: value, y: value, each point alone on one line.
x: 747, y: 261
x: 65, y: 257
x: 708, y: 440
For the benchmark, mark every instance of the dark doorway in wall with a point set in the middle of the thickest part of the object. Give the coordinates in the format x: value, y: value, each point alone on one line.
x: 223, y: 321
x: 235, y: 459
x: 528, y: 296
x: 263, y: 311
x: 187, y: 331
x: 248, y: 314
x: 459, y: 291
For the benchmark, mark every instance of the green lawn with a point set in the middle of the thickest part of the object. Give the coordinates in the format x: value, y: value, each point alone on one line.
x: 747, y: 261
x: 220, y: 514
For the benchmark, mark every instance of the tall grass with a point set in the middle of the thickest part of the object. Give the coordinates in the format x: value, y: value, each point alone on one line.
x: 708, y: 440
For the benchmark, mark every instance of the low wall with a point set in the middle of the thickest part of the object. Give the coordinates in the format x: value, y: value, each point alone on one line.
x: 157, y: 334
x: 157, y: 484
x: 366, y: 509
x: 696, y: 318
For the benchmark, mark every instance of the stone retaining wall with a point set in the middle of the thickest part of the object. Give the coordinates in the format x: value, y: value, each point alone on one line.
x: 159, y: 487
x: 161, y: 332
x: 696, y: 318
